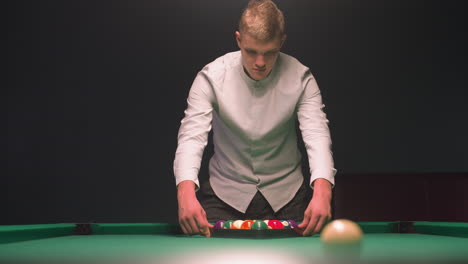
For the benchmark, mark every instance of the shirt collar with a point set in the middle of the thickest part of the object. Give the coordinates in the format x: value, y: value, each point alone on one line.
x: 262, y: 83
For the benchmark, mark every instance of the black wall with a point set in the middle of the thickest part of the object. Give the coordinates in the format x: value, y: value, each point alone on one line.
x: 96, y: 91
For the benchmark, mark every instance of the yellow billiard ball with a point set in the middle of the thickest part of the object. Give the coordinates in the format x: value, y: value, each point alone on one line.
x: 341, y: 231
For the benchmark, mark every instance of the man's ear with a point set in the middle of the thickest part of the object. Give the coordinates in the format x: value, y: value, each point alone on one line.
x: 238, y: 39
x: 283, y: 39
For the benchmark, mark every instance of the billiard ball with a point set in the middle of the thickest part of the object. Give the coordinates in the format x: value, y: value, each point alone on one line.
x: 259, y: 225
x: 286, y: 223
x: 293, y: 224
x: 275, y: 224
x: 247, y: 224
x: 237, y: 224
x: 341, y: 231
x: 219, y: 224
x: 228, y: 224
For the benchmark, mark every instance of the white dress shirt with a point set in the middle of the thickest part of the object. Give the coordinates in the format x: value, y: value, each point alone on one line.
x: 254, y: 135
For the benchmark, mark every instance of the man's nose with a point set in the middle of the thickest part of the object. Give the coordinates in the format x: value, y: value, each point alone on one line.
x: 260, y: 61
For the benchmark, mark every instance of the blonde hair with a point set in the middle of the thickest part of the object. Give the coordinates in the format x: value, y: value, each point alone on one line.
x: 262, y: 20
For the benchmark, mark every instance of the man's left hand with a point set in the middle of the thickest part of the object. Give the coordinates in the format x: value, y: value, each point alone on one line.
x: 318, y: 211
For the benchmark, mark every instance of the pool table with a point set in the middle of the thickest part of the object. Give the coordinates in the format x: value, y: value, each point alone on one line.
x: 384, y: 242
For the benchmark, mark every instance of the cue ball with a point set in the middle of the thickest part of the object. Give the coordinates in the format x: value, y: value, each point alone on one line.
x: 341, y: 231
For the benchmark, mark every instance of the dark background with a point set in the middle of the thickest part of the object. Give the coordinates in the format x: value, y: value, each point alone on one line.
x: 97, y: 89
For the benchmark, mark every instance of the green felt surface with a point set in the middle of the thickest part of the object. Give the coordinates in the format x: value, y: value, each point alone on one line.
x: 141, y: 242
x: 443, y: 229
x: 15, y: 233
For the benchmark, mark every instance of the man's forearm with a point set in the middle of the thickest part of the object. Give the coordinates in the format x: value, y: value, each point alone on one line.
x: 185, y: 189
x: 322, y: 188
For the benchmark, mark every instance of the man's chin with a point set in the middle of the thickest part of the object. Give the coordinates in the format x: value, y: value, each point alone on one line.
x: 258, y: 77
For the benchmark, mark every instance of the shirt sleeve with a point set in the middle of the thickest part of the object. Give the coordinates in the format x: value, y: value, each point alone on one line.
x: 313, y: 124
x: 194, y: 129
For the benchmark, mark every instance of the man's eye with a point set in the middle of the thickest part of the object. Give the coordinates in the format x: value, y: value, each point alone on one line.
x: 251, y: 52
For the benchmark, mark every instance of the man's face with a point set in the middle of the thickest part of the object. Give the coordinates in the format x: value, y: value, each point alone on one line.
x: 258, y: 57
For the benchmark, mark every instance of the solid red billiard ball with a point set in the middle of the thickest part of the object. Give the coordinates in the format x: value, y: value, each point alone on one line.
x: 275, y: 224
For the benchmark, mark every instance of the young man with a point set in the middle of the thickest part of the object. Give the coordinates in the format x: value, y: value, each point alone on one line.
x: 251, y: 99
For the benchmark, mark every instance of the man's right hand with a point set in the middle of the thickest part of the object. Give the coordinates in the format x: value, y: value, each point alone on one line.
x: 192, y: 217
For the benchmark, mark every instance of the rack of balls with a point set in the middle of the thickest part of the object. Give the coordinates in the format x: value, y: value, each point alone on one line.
x: 255, y: 224
x: 337, y: 232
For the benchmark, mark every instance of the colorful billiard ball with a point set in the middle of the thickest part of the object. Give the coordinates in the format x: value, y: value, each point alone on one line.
x: 275, y: 224
x: 247, y: 224
x: 293, y: 224
x: 219, y: 224
x: 341, y: 231
x: 259, y: 225
x: 228, y: 224
x: 285, y: 223
x: 237, y: 224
